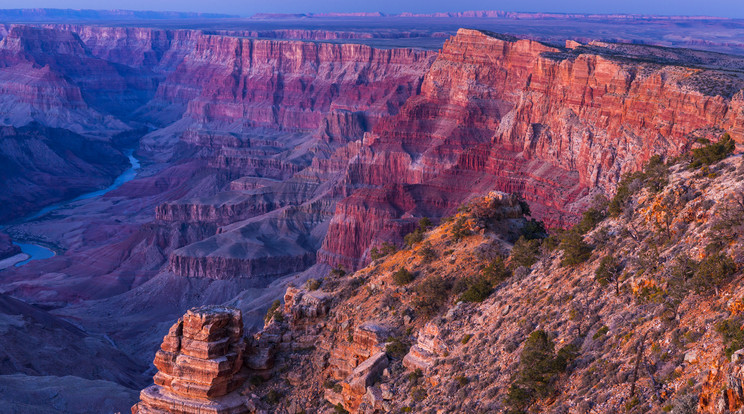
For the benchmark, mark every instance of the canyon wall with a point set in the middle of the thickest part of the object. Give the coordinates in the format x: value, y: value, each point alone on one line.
x: 554, y: 124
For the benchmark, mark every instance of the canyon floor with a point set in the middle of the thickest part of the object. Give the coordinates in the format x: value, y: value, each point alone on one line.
x: 161, y: 165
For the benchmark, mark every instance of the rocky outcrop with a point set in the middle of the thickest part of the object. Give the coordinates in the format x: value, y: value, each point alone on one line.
x: 554, y: 124
x: 183, y: 263
x: 199, y: 365
x: 428, y: 347
x: 357, y: 364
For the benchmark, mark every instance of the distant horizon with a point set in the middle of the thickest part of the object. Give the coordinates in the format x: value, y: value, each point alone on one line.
x: 384, y: 14
x: 683, y: 8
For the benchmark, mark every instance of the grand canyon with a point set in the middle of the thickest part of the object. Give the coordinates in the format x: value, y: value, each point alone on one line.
x: 450, y: 212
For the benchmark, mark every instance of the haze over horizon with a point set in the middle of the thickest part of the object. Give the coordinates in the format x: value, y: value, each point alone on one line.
x: 715, y: 8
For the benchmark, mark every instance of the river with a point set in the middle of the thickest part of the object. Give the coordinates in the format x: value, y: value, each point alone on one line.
x: 37, y: 252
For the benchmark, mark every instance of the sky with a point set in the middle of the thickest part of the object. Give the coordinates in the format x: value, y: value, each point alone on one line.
x: 720, y: 8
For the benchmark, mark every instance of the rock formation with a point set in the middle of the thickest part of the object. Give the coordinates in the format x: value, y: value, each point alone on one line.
x: 199, y: 365
x: 554, y: 124
x: 383, y: 348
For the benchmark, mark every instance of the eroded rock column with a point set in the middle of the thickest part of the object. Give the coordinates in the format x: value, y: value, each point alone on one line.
x: 199, y: 366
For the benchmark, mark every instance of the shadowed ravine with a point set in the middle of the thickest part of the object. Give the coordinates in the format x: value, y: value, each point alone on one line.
x: 37, y: 252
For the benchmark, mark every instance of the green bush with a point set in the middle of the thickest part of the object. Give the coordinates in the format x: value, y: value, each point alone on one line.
x: 654, y: 176
x: 418, y: 394
x: 312, y: 284
x: 575, y: 249
x: 428, y: 254
x: 534, y: 229
x: 713, y: 152
x: 402, y: 277
x: 733, y: 335
x: 478, y: 289
x: 460, y: 229
x: 625, y: 191
x: 609, y: 271
x: 338, y: 272
x: 594, y: 215
x: 414, y: 237
x: 524, y: 253
x: 712, y: 272
x: 539, y: 367
x: 431, y: 294
x: 397, y: 348
x: 273, y: 397
x: 274, y: 312
x: 496, y: 271
x: 601, y: 332
x: 385, y: 249
x: 415, y: 375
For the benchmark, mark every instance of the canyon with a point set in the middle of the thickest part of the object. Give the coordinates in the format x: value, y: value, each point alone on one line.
x: 271, y: 156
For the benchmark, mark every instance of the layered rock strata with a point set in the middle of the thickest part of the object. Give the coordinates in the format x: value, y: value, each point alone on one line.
x: 199, y: 365
x: 554, y: 124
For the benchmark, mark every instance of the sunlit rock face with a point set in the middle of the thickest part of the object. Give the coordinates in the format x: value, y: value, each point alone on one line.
x: 554, y: 124
x: 199, y: 365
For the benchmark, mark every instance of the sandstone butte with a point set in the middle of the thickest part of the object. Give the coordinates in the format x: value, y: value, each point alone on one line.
x: 200, y: 364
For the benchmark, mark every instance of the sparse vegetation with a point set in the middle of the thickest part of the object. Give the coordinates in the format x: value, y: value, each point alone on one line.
x: 427, y: 253
x: 609, y: 271
x: 575, y: 249
x: 431, y: 294
x: 402, y: 277
x: 733, y: 335
x: 524, y: 253
x: 460, y: 229
x: 312, y: 284
x: 539, y: 367
x: 385, y: 249
x: 274, y: 312
x: 712, y: 152
x: 397, y: 348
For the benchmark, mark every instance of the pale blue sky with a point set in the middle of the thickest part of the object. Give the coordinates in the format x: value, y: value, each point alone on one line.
x: 723, y: 8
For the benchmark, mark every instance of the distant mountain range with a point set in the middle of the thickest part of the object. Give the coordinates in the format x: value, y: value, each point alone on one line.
x: 45, y: 15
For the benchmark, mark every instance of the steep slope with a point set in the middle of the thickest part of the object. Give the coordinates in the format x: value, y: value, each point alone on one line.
x: 546, y: 332
x: 40, y: 166
x: 554, y: 124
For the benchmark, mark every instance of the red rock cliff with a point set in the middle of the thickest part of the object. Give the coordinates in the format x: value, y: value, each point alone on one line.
x: 515, y: 115
x: 236, y: 82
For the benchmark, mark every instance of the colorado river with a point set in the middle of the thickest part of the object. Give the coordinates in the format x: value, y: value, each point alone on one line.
x: 37, y: 252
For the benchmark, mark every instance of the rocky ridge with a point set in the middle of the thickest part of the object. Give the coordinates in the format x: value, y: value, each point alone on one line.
x: 654, y: 341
